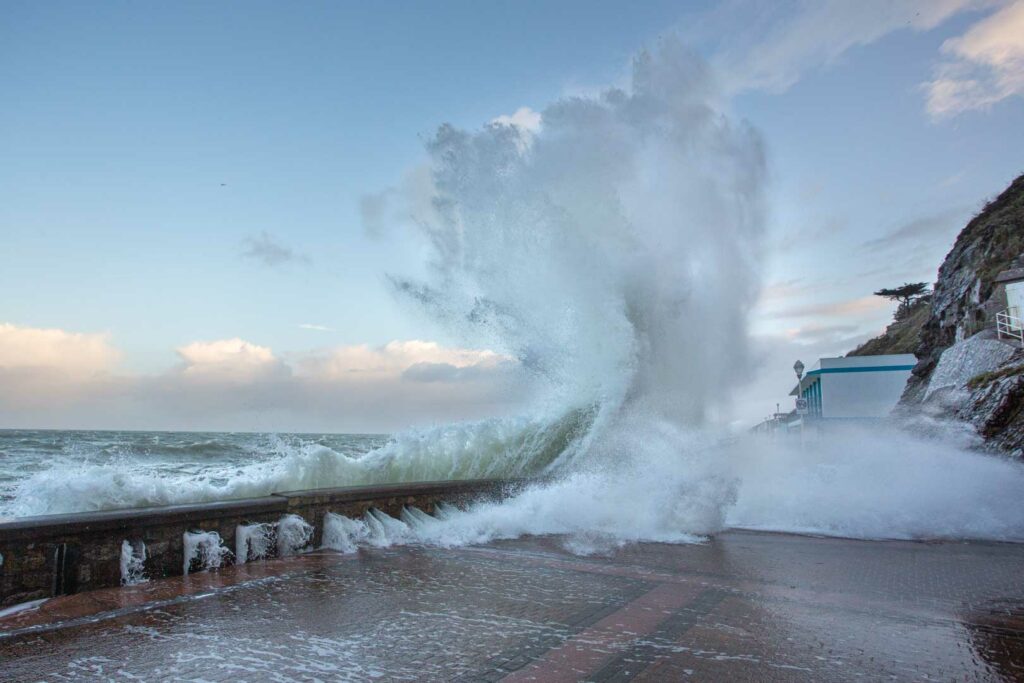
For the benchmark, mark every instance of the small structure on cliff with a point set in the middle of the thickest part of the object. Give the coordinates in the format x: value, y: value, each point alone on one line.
x: 855, y: 387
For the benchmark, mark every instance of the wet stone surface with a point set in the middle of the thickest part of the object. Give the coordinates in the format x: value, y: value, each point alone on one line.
x: 757, y: 607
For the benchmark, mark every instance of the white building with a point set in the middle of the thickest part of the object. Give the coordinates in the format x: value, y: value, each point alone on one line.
x: 855, y: 387
x: 1010, y: 320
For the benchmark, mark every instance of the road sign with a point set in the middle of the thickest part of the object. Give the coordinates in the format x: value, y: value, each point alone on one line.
x: 801, y: 406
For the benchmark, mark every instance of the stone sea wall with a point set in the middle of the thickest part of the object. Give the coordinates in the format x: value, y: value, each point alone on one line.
x: 41, y: 557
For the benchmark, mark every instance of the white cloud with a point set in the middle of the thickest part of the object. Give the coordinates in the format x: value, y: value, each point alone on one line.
x: 228, y: 359
x: 315, y: 328
x: 47, y: 368
x: 392, y: 360
x: 985, y: 65
x: 781, y: 42
x: 72, y: 354
x: 55, y: 378
x: 778, y: 48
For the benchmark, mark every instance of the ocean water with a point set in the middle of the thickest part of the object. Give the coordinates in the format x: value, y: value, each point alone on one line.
x: 65, y: 463
x: 52, y: 472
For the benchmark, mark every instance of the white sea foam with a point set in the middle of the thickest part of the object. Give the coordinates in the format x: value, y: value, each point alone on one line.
x: 133, y: 562
x: 253, y: 542
x: 293, y: 535
x: 878, y: 483
x: 679, y: 486
x: 204, y: 549
x: 344, y: 534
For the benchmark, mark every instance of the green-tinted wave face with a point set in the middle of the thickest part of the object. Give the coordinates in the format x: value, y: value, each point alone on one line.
x: 78, y: 471
x: 498, y: 448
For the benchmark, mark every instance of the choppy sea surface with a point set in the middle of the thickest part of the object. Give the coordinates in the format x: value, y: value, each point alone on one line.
x: 73, y: 460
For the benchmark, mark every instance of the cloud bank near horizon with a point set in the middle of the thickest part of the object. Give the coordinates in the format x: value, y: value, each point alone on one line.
x: 56, y: 378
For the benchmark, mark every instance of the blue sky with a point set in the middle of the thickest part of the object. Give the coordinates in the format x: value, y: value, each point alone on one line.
x: 183, y: 172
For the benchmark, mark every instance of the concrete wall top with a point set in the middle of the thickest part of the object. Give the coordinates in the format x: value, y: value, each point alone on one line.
x: 350, y: 494
x: 46, y: 527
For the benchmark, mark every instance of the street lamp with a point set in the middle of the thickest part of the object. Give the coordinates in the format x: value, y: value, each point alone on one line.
x: 801, y: 409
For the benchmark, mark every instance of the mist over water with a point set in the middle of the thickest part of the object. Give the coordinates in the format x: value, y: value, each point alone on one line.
x: 614, y: 253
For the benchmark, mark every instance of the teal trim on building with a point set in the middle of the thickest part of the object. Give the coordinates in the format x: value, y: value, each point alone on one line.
x: 812, y: 392
x: 873, y: 368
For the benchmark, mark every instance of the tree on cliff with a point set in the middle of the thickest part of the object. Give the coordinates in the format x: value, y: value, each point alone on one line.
x: 909, y: 294
x: 905, y: 293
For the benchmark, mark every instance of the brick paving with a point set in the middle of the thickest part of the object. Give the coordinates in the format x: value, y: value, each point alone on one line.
x: 744, y: 607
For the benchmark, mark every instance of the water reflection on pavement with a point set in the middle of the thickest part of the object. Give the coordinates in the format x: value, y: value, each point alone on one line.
x: 746, y: 606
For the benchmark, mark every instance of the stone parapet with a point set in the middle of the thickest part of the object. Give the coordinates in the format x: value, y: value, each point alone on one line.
x: 63, y: 554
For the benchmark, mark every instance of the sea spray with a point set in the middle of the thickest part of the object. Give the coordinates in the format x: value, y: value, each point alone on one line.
x: 254, y: 541
x: 385, y: 530
x: 294, y: 535
x: 377, y: 529
x: 683, y: 485
x: 876, y: 482
x: 203, y: 550
x: 133, y: 562
x: 344, y: 534
x: 616, y: 255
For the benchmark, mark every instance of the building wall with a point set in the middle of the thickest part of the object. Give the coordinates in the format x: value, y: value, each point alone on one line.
x: 861, y: 394
x: 1015, y: 298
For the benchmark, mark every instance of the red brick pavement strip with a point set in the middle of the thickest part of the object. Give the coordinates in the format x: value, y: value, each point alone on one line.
x: 688, y: 577
x: 592, y: 648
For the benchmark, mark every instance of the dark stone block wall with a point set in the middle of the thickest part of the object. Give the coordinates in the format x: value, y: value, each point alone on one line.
x: 63, y: 554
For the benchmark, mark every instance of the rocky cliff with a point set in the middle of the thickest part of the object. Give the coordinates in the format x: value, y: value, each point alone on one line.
x: 964, y: 372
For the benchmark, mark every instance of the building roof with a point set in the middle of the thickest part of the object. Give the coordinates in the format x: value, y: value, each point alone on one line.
x: 1012, y: 275
x: 880, y: 363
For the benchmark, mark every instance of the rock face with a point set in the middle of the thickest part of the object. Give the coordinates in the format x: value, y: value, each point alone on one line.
x: 962, y: 301
x: 962, y: 364
x: 958, y: 339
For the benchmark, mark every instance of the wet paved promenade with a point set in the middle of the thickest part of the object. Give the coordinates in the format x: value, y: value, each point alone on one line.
x: 746, y: 607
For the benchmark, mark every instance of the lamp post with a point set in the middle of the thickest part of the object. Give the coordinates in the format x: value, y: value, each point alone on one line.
x: 798, y: 368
